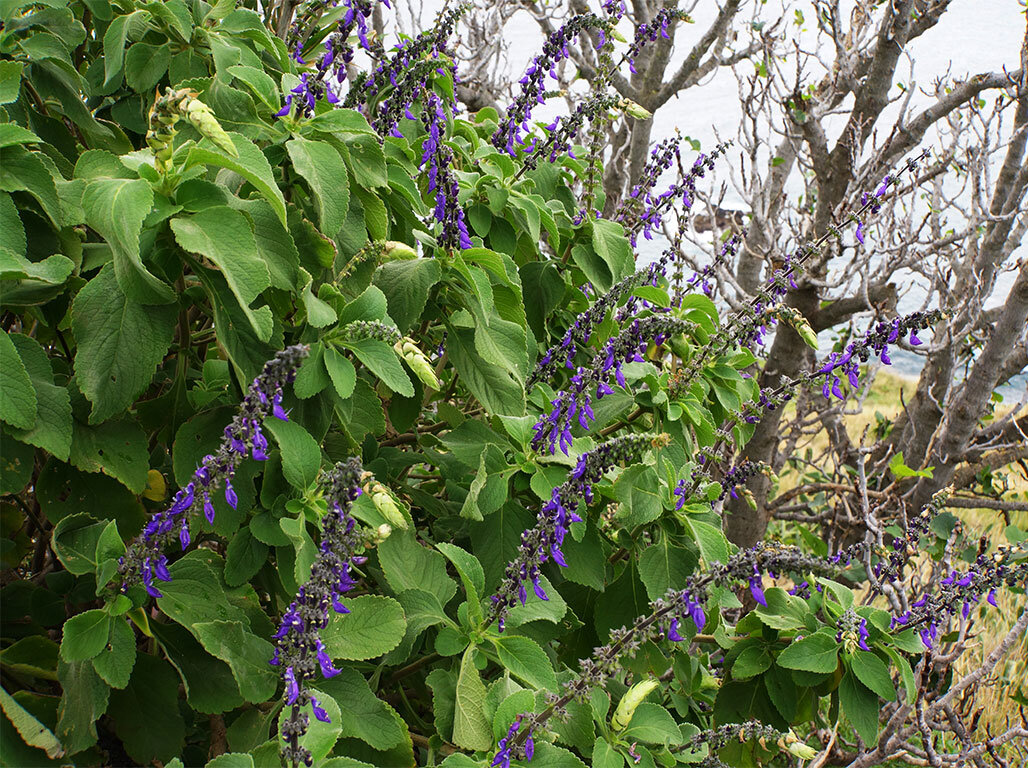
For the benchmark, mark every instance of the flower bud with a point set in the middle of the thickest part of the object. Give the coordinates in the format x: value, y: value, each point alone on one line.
x: 631, y: 701
x: 382, y: 533
x: 386, y: 506
x: 636, y: 110
x: 394, y: 250
x: 418, y: 362
x: 797, y: 747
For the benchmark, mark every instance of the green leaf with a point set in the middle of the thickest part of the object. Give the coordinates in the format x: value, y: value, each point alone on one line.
x: 209, y: 683
x: 653, y: 724
x: 663, y: 566
x: 471, y: 728
x: 85, y: 635
x: 145, y: 65
x: 246, y: 655
x: 374, y: 626
x: 34, y: 655
x: 341, y: 372
x: 114, y: 664
x: 323, y: 169
x: 84, y: 698
x: 906, y: 674
x: 121, y: 343
x: 53, y: 428
x: 409, y: 565
x: 251, y: 164
x: 146, y: 714
x: 12, y: 133
x: 17, y: 395
x: 32, y: 732
x: 874, y: 673
x: 10, y: 80
x: 244, y: 557
x: 752, y: 661
x: 900, y: 470
x: 494, y: 387
x: 469, y: 570
x: 611, y: 245
x: 195, y: 595
x: 861, y: 707
x: 525, y: 660
x: 257, y: 81
x: 364, y: 716
x: 406, y: 285
x: 815, y: 653
x: 231, y: 760
x: 116, y: 209
x: 711, y: 541
x: 320, y: 736
x: 21, y: 170
x: 116, y: 448
x: 638, y: 490
x: 301, y: 454
x: 74, y: 539
x: 381, y: 360
x: 225, y: 237
x: 114, y: 43
x: 367, y: 160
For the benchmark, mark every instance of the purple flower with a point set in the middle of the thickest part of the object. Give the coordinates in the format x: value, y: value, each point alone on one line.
x: 860, y: 232
x: 230, y: 494
x: 756, y: 588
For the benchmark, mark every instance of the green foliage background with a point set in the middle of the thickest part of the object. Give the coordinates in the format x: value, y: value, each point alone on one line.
x: 139, y: 301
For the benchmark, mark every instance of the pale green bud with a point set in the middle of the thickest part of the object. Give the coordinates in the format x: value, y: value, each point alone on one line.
x: 631, y: 701
x: 637, y: 110
x: 397, y: 251
x: 387, y: 507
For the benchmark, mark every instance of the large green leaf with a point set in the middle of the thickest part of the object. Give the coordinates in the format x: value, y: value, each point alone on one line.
x: 53, y: 428
x: 225, y: 237
x: 250, y: 163
x: 210, y: 686
x: 664, y: 566
x: 374, y: 626
x: 638, y: 490
x: 409, y: 565
x: 32, y: 732
x: 301, y: 455
x: 381, y: 360
x: 116, y: 448
x: 471, y: 728
x: 85, y: 635
x: 497, y: 389
x: 364, y: 715
x: 406, y: 285
x: 873, y: 673
x: 815, y: 653
x: 246, y: 654
x: 146, y: 714
x: 860, y: 705
x: 84, y: 698
x: 116, y: 209
x: 526, y: 660
x: 121, y: 343
x: 323, y: 169
x: 17, y: 395
x: 115, y: 662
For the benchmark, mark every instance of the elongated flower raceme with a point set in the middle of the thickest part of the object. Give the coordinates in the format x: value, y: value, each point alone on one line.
x: 437, y: 158
x: 543, y: 542
x: 145, y: 558
x: 300, y: 653
x: 573, y: 404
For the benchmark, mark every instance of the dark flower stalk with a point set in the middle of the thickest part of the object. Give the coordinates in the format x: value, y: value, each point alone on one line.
x: 558, y: 357
x: 300, y: 652
x: 542, y: 543
x: 555, y: 50
x: 145, y: 558
x: 667, y: 615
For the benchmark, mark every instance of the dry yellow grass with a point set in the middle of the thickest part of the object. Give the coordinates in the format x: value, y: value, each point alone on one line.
x: 994, y: 698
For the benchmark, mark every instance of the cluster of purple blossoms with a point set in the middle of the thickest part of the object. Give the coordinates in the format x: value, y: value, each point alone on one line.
x: 649, y: 216
x: 852, y: 630
x: 441, y: 179
x: 876, y: 341
x: 543, y: 542
x: 574, y: 403
x: 144, y: 560
x: 561, y: 133
x: 299, y: 651
x: 704, y: 277
x: 403, y: 77
x: 509, y: 135
x: 642, y: 207
x: 649, y: 31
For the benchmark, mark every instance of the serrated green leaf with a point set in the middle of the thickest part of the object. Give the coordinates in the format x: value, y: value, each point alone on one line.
x: 526, y: 660
x: 322, y: 167
x: 17, y: 395
x: 85, y: 635
x: 301, y: 454
x: 815, y: 653
x: 471, y: 728
x: 382, y: 361
x: 374, y: 626
x: 246, y: 654
x: 114, y: 663
x: 121, y: 343
x: 32, y: 732
x: 251, y: 164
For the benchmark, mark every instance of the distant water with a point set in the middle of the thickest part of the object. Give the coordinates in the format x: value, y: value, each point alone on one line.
x: 973, y: 36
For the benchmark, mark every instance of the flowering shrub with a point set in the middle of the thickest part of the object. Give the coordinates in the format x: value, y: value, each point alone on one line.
x: 450, y: 465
